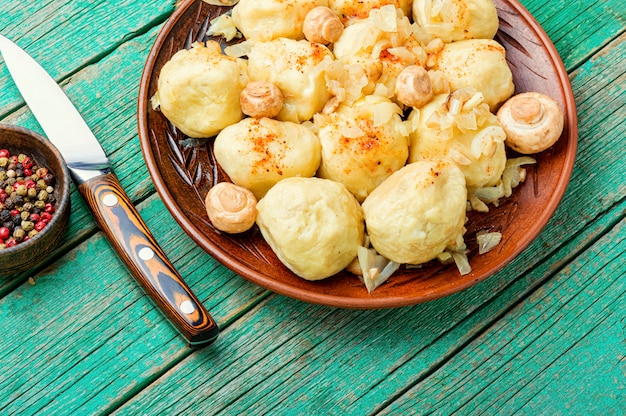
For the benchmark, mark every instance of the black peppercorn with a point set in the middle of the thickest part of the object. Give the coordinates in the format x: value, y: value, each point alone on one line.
x: 9, y: 225
x: 49, y: 179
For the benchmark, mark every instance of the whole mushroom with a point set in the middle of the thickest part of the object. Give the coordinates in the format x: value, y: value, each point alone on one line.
x: 261, y: 99
x: 322, y: 25
x: 414, y: 87
x: 532, y: 122
x: 231, y: 208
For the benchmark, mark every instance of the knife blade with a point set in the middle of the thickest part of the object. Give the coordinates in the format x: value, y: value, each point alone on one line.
x: 115, y: 213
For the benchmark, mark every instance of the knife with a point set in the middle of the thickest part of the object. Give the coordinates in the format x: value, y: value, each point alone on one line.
x: 91, y: 171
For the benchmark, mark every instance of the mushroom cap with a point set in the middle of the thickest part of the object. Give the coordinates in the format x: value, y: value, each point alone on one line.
x: 322, y: 25
x: 261, y: 99
x: 231, y: 208
x: 532, y: 122
x: 413, y: 86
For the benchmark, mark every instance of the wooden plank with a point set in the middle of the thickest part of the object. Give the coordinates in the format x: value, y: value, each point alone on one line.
x: 294, y: 358
x: 80, y: 368
x: 89, y: 29
x: 579, y: 28
x: 561, y: 351
x: 62, y: 338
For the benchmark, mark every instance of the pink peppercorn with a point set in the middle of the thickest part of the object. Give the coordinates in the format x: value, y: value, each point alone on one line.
x: 4, y: 153
x: 45, y: 217
x: 4, y: 233
x: 40, y: 225
x: 27, y: 163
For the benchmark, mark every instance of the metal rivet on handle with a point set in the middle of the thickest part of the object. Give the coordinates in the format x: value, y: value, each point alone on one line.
x: 187, y: 307
x: 109, y: 200
x: 146, y: 253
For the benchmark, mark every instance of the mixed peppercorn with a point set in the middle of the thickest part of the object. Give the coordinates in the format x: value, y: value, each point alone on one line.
x: 27, y: 201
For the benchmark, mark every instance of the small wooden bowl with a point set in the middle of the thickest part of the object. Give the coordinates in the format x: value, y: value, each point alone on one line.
x: 26, y: 255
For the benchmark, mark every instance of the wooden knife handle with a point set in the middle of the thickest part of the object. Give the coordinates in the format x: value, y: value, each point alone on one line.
x: 135, y: 245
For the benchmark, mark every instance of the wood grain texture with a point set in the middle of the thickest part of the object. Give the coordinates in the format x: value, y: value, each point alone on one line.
x: 98, y: 335
x: 579, y: 28
x: 66, y: 35
x: 84, y: 339
x: 561, y: 351
x: 301, y: 367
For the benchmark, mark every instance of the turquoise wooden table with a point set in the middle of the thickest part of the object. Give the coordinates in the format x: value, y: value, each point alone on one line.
x: 546, y: 335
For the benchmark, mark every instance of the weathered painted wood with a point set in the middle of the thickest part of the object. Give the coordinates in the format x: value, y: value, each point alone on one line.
x: 90, y: 347
x: 579, y: 28
x: 90, y: 30
x: 83, y: 312
x: 319, y: 361
x: 561, y: 351
x: 65, y: 35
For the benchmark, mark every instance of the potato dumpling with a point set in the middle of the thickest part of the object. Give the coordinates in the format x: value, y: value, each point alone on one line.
x: 313, y: 225
x: 478, y: 63
x: 256, y: 153
x: 297, y: 68
x: 374, y: 51
x: 417, y: 212
x: 362, y: 144
x: 198, y: 90
x: 452, y: 20
x: 271, y: 19
x: 360, y: 9
x: 472, y: 138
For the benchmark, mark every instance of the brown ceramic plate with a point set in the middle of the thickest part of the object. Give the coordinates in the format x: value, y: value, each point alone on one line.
x: 183, y: 171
